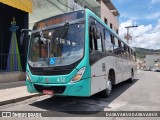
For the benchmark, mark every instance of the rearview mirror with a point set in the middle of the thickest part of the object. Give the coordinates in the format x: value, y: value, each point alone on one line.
x: 22, y: 38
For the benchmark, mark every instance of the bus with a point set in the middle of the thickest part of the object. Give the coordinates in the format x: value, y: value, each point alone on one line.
x: 77, y: 54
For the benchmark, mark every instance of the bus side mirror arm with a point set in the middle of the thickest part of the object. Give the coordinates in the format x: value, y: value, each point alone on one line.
x: 23, y: 31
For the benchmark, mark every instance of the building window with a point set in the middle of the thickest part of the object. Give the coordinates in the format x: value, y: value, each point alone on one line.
x: 105, y: 20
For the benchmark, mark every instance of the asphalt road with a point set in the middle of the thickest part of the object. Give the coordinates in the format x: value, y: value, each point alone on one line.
x: 142, y: 95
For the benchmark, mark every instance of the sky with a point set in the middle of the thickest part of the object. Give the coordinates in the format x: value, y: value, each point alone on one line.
x: 145, y: 14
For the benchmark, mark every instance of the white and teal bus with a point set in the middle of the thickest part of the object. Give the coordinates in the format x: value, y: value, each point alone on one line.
x: 77, y: 54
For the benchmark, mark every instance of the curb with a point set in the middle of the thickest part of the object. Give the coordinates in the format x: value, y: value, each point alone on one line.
x: 18, y: 99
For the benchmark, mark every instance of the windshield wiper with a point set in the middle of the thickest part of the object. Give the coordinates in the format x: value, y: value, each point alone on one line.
x: 65, y: 29
x: 63, y: 32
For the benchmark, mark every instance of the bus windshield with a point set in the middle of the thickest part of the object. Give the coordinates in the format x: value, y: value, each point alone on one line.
x: 57, y: 47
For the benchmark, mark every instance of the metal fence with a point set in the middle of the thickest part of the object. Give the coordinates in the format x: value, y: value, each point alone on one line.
x: 11, y: 62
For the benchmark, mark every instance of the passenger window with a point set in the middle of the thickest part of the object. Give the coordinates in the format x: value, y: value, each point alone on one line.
x: 129, y: 53
x: 125, y: 52
x: 116, y: 47
x: 108, y: 43
x: 116, y: 43
x: 99, y: 43
x: 119, y: 44
x: 122, y: 50
x: 134, y: 57
x: 112, y: 39
x: 91, y: 40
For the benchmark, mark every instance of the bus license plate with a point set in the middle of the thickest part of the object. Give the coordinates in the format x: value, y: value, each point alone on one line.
x: 48, y: 92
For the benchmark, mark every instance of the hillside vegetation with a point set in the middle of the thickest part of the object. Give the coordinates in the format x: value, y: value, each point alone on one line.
x: 142, y: 52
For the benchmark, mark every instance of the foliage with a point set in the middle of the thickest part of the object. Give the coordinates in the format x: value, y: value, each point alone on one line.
x: 142, y: 52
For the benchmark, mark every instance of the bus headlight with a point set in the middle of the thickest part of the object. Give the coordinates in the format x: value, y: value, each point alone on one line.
x: 79, y: 75
x: 28, y: 77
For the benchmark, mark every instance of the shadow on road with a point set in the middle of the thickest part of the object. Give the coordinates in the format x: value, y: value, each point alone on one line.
x: 79, y: 105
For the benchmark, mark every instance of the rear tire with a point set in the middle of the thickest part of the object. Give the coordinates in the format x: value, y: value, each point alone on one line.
x: 107, y: 92
x: 132, y: 77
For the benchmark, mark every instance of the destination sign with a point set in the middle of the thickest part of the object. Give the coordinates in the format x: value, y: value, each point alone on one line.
x: 59, y: 19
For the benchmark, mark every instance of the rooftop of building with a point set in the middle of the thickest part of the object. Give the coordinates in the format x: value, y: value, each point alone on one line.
x: 111, y: 7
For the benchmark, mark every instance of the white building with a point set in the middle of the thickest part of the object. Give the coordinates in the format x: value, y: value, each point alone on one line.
x: 46, y: 8
x: 153, y: 61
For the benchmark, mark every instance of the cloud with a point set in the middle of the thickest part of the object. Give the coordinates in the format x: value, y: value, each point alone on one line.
x: 142, y: 36
x: 126, y: 15
x: 153, y: 16
x: 152, y: 3
x: 155, y: 1
x: 149, y: 16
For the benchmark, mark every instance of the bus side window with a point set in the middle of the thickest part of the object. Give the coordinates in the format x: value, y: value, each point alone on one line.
x: 112, y: 39
x: 91, y: 39
x: 108, y: 43
x: 127, y: 57
x: 99, y: 43
x: 116, y: 47
x: 119, y: 43
x: 122, y: 50
x: 131, y: 55
x: 125, y: 52
x: 129, y: 51
x: 134, y: 57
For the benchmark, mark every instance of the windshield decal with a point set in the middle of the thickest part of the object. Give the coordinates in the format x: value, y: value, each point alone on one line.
x: 52, y: 61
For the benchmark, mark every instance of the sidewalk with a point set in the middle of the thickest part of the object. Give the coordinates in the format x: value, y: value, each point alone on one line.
x: 13, y: 95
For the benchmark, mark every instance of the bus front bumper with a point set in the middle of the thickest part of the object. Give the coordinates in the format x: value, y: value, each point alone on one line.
x: 81, y: 88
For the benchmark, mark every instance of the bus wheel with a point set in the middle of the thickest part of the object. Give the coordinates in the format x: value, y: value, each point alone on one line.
x: 107, y: 92
x: 132, y: 77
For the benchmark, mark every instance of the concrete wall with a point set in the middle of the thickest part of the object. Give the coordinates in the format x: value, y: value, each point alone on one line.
x: 12, y: 77
x: 106, y: 13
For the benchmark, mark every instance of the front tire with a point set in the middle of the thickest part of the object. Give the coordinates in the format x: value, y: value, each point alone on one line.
x: 107, y: 92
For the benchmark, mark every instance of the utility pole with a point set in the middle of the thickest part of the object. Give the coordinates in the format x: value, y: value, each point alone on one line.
x: 128, y: 36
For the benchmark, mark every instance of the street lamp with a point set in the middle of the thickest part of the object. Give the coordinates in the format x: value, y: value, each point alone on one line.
x: 127, y: 37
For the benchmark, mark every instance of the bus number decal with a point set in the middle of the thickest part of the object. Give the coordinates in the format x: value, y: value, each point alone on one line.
x: 61, y: 79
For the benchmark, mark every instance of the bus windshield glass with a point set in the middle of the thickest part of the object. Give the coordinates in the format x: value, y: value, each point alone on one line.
x: 57, y: 47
